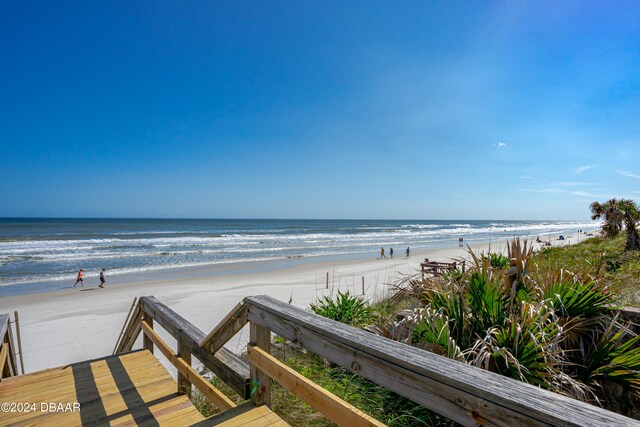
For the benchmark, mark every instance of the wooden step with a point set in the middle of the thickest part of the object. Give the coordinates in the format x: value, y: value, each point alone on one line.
x: 243, y: 415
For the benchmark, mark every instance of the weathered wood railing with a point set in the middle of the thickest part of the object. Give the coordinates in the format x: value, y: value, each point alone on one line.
x: 463, y: 393
x: 8, y: 366
x: 148, y: 311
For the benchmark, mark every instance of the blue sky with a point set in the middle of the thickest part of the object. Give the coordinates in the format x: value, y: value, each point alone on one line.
x: 422, y: 110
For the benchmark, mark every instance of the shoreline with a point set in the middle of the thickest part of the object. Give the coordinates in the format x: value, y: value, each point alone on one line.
x: 183, y: 272
x: 70, y: 325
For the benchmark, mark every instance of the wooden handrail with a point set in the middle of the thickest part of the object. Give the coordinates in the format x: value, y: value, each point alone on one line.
x: 8, y: 367
x: 327, y: 403
x: 4, y: 325
x: 3, y: 358
x: 125, y: 325
x: 130, y: 331
x: 463, y: 393
x: 224, y: 364
x: 209, y: 391
x: 226, y: 329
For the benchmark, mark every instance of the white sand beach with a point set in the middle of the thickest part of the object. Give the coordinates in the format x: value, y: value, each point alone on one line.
x: 66, y: 326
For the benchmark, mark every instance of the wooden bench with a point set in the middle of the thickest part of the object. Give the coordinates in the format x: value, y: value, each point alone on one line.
x: 435, y: 268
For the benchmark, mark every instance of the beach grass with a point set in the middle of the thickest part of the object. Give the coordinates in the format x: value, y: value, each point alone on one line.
x: 601, y: 257
x: 377, y: 401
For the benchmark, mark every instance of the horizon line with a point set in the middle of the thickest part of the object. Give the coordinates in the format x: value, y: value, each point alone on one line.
x: 283, y: 219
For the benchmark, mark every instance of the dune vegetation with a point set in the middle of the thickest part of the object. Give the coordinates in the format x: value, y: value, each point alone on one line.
x: 548, y: 317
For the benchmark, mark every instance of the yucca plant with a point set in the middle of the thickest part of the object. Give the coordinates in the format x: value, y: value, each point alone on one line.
x: 539, y: 324
x: 432, y: 331
x: 524, y: 348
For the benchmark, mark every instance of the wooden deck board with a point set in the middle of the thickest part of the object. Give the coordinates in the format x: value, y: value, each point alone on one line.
x: 125, y: 390
x: 245, y: 415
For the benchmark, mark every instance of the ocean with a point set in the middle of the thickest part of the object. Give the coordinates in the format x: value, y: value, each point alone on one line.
x: 50, y: 251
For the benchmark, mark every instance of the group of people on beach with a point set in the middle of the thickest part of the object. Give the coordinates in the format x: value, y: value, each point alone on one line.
x: 80, y: 278
x: 382, y: 254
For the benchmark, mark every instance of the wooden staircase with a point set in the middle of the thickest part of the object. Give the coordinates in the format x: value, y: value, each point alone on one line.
x: 132, y: 387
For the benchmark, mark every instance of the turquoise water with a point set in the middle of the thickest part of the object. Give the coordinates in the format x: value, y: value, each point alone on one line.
x: 52, y: 250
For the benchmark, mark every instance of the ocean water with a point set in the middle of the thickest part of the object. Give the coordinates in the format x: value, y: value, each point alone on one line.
x: 52, y: 250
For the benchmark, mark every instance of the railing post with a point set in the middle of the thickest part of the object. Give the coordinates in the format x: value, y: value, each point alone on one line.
x: 11, y: 357
x: 260, y: 336
x: 147, y: 344
x: 184, y: 386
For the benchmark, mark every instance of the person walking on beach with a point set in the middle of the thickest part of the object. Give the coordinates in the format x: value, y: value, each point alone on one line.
x: 80, y: 278
x: 103, y: 278
x: 460, y: 242
x: 382, y: 255
x: 391, y: 252
x: 408, y: 252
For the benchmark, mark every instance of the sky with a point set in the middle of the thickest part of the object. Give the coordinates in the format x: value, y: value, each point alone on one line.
x: 332, y: 109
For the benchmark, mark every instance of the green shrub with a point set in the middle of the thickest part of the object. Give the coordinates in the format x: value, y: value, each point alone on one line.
x: 499, y: 261
x: 345, y: 308
x: 550, y: 327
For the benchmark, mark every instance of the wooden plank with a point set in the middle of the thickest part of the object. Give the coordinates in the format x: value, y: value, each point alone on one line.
x: 4, y: 371
x: 4, y: 325
x: 213, y: 394
x: 104, y: 399
x: 224, y: 364
x: 98, y: 375
x: 11, y: 352
x: 122, y: 345
x: 17, y: 320
x: 330, y: 405
x: 243, y: 415
x: 127, y: 319
x: 61, y: 371
x: 131, y: 332
x: 260, y: 336
x: 108, y: 401
x: 147, y: 344
x: 226, y: 329
x: 463, y: 393
x: 184, y: 385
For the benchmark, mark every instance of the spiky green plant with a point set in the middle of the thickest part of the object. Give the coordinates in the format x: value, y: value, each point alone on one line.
x: 345, y: 308
x: 614, y: 357
x: 498, y: 260
x: 536, y: 323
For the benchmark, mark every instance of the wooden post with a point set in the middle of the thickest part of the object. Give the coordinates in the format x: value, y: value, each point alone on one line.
x: 17, y: 322
x: 362, y: 285
x: 260, y: 336
x: 147, y: 344
x: 184, y: 385
x: 327, y: 287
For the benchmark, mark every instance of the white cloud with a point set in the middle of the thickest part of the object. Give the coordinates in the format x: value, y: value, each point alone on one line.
x: 571, y: 184
x: 587, y: 194
x: 578, y: 193
x: 526, y: 177
x: 548, y: 190
x: 500, y: 144
x: 629, y: 174
x: 584, y: 168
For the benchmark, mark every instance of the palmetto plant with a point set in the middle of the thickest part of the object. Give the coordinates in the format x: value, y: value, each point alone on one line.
x: 345, y: 308
x: 619, y: 213
x: 545, y: 326
x: 498, y: 260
